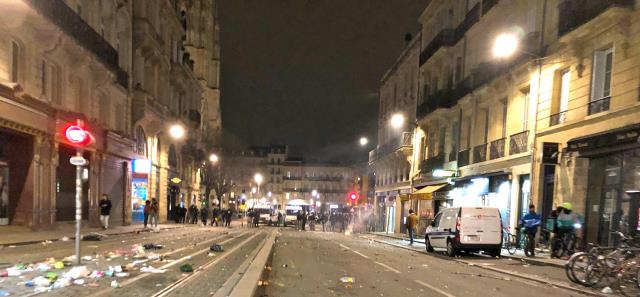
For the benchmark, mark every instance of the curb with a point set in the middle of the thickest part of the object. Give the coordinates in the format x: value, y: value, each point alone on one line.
x: 252, y: 275
x: 518, y: 275
x: 507, y: 256
x: 23, y: 243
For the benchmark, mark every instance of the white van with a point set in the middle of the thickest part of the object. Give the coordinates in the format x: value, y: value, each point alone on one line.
x: 466, y: 229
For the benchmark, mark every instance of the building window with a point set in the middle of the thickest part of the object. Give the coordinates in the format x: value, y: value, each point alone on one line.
x: 423, y: 148
x: 560, y: 103
x: 601, y: 81
x: 141, y: 142
x: 15, y: 61
x: 525, y: 108
x: 441, y: 140
x: 504, y: 117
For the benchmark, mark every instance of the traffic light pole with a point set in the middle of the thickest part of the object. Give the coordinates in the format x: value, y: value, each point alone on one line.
x: 78, y: 206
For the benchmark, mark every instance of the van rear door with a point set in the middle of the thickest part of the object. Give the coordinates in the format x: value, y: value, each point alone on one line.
x: 480, y: 225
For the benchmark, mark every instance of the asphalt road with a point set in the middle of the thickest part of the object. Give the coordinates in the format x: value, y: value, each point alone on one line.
x: 312, y: 264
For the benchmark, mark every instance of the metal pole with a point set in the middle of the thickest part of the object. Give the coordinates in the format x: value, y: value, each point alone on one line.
x: 78, y: 208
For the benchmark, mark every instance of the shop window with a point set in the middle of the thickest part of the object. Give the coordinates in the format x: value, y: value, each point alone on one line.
x: 141, y: 141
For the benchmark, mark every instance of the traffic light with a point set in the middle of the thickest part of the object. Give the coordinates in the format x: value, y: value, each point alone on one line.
x: 77, y: 135
x: 353, y: 196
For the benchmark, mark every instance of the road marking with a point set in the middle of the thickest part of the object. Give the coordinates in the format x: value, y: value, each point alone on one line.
x: 387, y: 267
x: 180, y: 282
x: 434, y: 288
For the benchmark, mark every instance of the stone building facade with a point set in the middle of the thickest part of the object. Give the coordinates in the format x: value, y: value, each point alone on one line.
x: 121, y: 68
x: 553, y: 122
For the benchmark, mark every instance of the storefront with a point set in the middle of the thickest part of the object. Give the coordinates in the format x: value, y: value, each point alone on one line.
x: 491, y: 190
x: 613, y: 188
x: 139, y: 188
x: 428, y: 200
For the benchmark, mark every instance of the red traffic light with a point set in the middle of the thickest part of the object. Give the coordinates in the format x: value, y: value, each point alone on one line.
x: 77, y: 135
x: 353, y: 196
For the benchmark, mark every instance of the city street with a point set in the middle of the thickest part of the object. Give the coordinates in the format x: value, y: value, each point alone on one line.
x: 189, y: 245
x: 313, y: 263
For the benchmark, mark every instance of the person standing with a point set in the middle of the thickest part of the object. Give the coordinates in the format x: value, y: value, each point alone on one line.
x: 215, y: 216
x: 412, y: 222
x: 147, y: 212
x: 193, y: 213
x: 154, y: 213
x: 204, y: 215
x: 229, y: 217
x: 531, y: 222
x: 105, y: 211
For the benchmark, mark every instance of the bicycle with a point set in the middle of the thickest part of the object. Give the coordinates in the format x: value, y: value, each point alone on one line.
x: 509, y: 241
x: 565, y: 245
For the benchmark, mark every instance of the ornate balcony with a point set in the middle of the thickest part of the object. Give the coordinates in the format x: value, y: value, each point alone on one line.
x: 518, y: 142
x: 575, y: 13
x: 480, y: 153
x: 463, y: 157
x: 446, y: 37
x: 557, y: 118
x: 73, y: 25
x: 427, y: 166
x: 404, y: 141
x: 496, y: 149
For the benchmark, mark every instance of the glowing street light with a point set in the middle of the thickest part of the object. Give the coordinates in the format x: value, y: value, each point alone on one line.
x: 269, y: 194
x: 258, y: 179
x: 213, y: 158
x: 505, y: 45
x: 314, y: 193
x: 363, y: 141
x: 397, y: 120
x: 176, y: 131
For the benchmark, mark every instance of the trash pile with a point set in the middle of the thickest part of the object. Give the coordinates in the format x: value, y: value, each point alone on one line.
x: 106, y: 269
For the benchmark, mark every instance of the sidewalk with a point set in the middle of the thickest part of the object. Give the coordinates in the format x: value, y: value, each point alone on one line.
x: 539, y: 259
x: 20, y: 235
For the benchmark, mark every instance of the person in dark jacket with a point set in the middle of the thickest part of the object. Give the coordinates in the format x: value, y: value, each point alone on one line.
x: 147, y: 211
x: 193, y: 214
x: 228, y: 218
x: 204, y: 215
x: 215, y: 216
x: 105, y: 211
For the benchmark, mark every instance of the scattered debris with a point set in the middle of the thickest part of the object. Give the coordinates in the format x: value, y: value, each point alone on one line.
x: 150, y: 269
x: 216, y: 248
x: 115, y: 284
x: 186, y: 268
x: 4, y: 293
x: 347, y: 279
x: 262, y: 283
x: 92, y: 237
x: 607, y: 290
x: 153, y: 246
x: 79, y: 282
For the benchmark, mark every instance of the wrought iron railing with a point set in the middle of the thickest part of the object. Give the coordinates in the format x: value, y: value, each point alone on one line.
x: 557, y: 118
x: 446, y: 37
x: 518, y: 142
x: 405, y: 140
x: 427, y: 166
x: 599, y: 105
x: 487, y: 5
x: 575, y: 13
x: 480, y: 153
x: 496, y: 149
x: 73, y: 25
x: 472, y: 17
x: 463, y: 157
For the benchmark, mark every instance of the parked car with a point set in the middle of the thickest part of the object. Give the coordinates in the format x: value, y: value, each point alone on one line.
x: 468, y: 229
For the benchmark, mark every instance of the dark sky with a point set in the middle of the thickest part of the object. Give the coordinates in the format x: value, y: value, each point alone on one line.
x: 306, y: 72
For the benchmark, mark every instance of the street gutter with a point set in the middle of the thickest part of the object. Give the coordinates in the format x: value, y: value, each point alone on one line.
x: 528, y: 277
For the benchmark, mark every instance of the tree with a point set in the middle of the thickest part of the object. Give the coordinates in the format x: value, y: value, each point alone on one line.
x: 212, y: 180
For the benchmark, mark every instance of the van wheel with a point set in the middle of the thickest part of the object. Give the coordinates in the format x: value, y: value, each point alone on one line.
x: 451, y: 250
x: 495, y: 253
x: 428, y: 244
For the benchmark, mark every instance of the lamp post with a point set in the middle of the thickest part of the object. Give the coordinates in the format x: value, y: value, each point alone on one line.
x: 258, y: 179
x: 363, y: 141
x: 505, y: 45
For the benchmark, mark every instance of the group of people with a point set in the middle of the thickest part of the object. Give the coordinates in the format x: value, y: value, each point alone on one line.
x: 219, y: 217
x: 150, y: 212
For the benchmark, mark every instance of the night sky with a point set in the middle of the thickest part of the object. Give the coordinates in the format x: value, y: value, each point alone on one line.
x: 307, y: 72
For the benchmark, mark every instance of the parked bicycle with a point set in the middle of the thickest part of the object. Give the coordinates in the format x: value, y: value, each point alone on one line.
x: 617, y: 267
x: 509, y: 241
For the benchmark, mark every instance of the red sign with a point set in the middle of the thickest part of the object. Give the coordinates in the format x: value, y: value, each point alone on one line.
x: 77, y: 135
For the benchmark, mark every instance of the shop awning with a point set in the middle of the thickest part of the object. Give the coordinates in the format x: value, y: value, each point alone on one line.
x: 426, y: 193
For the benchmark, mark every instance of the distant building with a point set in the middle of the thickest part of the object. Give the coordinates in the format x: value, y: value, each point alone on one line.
x: 285, y: 178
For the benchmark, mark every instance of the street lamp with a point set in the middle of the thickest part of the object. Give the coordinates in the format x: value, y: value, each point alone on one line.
x: 258, y: 179
x: 176, y: 131
x: 397, y: 120
x: 505, y: 45
x: 213, y: 158
x: 314, y: 193
x: 363, y: 141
